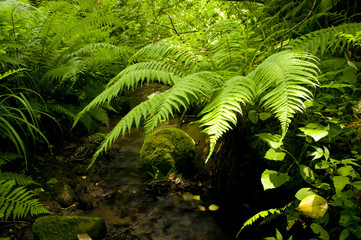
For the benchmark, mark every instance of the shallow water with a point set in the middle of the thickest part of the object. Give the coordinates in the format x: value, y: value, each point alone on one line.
x: 133, y: 210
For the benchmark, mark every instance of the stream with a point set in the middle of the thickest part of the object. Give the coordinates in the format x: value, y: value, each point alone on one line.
x: 133, y: 208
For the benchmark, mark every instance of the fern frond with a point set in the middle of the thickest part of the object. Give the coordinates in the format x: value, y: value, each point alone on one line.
x: 129, y: 79
x: 147, y: 71
x: 225, y: 104
x: 10, y: 72
x: 188, y: 90
x: 134, y: 116
x: 261, y: 214
x: 324, y: 39
x: 281, y: 82
x: 180, y: 56
x: 100, y: 115
x: 20, y: 179
x: 18, y: 202
x: 67, y: 71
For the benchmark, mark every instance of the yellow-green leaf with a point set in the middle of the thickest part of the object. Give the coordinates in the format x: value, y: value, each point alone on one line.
x: 313, y: 206
x: 213, y: 207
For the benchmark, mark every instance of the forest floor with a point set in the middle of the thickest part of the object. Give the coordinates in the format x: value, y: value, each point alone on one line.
x: 116, y: 189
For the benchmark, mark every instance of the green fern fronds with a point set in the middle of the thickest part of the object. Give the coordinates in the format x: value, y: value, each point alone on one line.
x: 261, y: 214
x: 324, y: 39
x: 183, y: 57
x: 187, y: 91
x: 225, y: 104
x: 282, y: 81
x: 17, y: 202
x: 20, y: 179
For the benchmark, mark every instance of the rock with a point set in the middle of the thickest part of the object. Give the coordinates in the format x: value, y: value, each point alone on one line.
x: 65, y: 195
x: 166, y: 149
x: 67, y: 228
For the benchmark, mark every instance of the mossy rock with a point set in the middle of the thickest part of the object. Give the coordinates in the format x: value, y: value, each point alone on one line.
x: 65, y: 195
x: 67, y: 228
x: 166, y: 149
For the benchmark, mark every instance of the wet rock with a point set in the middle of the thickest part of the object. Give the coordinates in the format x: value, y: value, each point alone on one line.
x: 67, y: 228
x: 166, y: 149
x: 65, y: 195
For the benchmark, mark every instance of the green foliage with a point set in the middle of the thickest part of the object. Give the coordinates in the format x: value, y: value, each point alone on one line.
x: 223, y: 95
x: 326, y: 39
x: 262, y: 214
x: 17, y: 202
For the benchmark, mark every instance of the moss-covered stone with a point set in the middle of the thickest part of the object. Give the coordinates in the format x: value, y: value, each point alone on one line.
x: 166, y: 149
x: 65, y: 195
x: 66, y: 228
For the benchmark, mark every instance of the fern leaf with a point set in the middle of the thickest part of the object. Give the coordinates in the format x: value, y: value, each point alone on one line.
x: 325, y: 39
x: 221, y: 111
x: 125, y: 80
x: 185, y: 92
x: 261, y: 214
x: 281, y: 82
x: 17, y: 202
x: 20, y: 179
x: 180, y: 56
x: 134, y: 116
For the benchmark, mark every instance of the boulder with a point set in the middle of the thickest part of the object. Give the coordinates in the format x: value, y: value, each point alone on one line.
x: 166, y: 149
x: 67, y: 228
x: 65, y: 195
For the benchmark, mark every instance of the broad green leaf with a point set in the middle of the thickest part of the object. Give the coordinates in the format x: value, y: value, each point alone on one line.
x: 322, y: 165
x: 273, y: 140
x: 273, y: 179
x: 253, y: 116
x: 313, y: 206
x: 344, y: 234
x: 317, y: 154
x: 274, y: 154
x: 264, y: 115
x: 307, y: 174
x: 340, y: 182
x: 278, y: 235
x: 347, y: 171
x: 315, y: 131
x: 304, y: 192
x: 321, y: 185
x: 318, y: 229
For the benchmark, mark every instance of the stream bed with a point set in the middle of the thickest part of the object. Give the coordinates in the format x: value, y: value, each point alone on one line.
x: 115, y: 189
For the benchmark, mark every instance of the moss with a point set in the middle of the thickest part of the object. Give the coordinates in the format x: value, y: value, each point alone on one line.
x: 166, y: 149
x: 66, y: 228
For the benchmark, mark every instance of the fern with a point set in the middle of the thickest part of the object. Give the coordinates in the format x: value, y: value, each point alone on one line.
x: 261, y: 214
x: 183, y: 57
x: 20, y: 179
x: 17, y: 202
x: 222, y: 109
x: 325, y: 39
x: 280, y: 84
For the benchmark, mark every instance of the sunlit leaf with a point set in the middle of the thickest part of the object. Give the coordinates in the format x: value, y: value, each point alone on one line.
x: 313, y: 206
x: 304, y: 192
x: 213, y: 207
x: 273, y: 179
x: 315, y: 131
x: 276, y: 155
x: 196, y: 197
x: 273, y: 140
